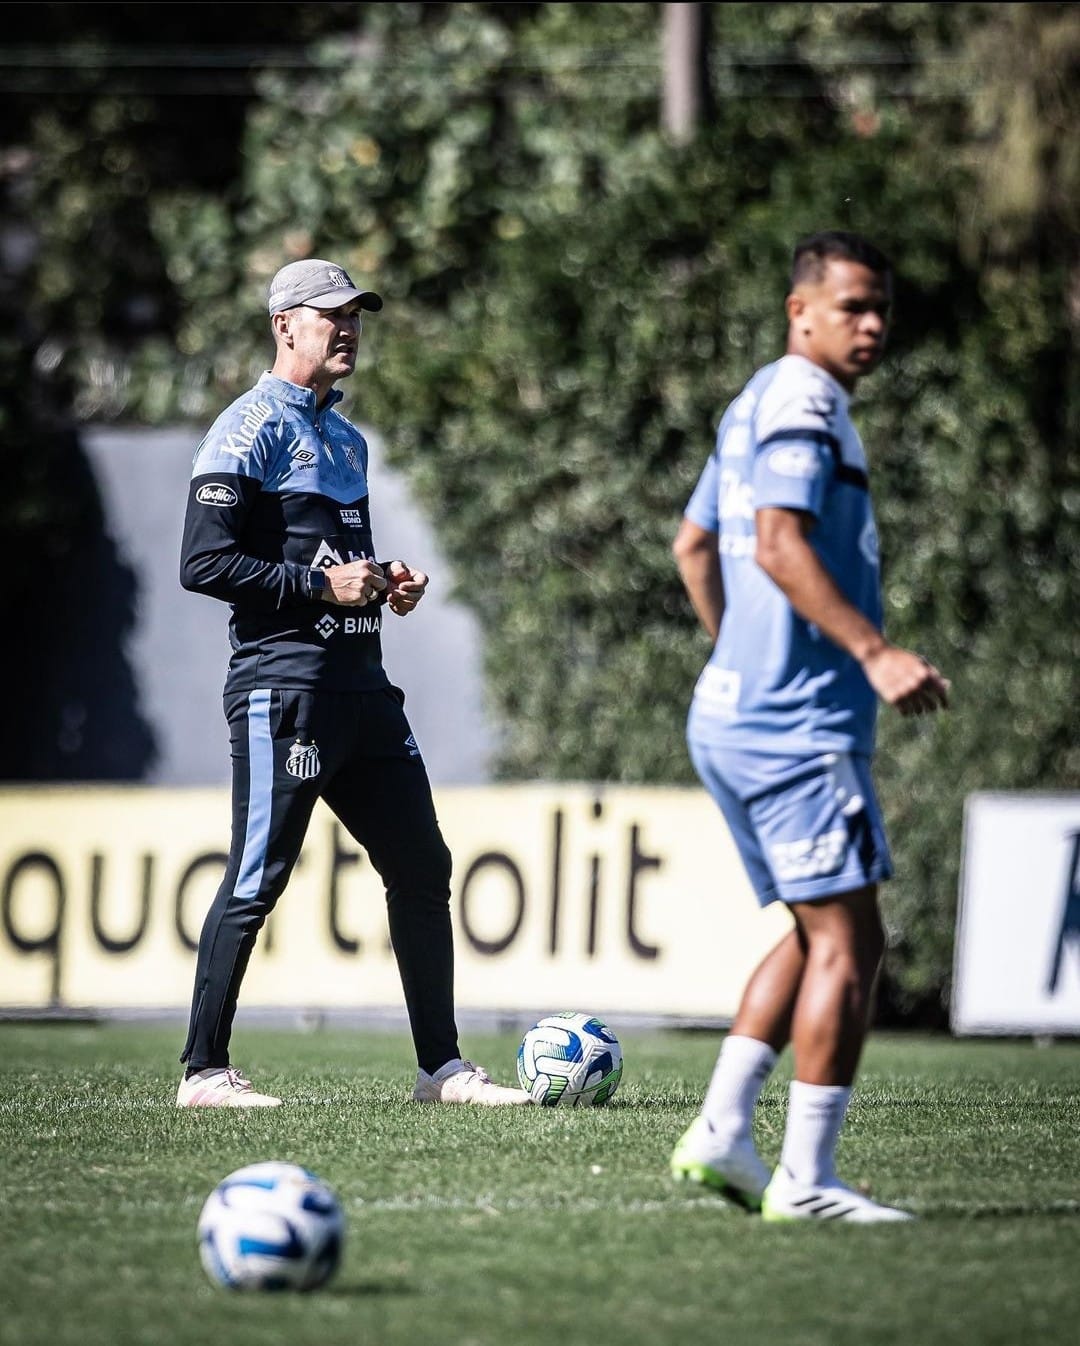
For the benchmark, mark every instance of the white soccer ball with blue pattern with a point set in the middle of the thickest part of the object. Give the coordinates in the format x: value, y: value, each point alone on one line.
x: 571, y: 1059
x: 271, y: 1226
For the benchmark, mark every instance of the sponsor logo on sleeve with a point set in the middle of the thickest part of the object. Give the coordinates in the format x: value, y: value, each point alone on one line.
x: 352, y: 518
x: 216, y: 493
x: 794, y: 460
x: 253, y: 417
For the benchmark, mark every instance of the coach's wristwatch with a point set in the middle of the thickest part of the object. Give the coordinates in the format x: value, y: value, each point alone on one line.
x: 317, y: 585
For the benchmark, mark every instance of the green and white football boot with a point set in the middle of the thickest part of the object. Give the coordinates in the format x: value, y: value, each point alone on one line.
x: 733, y: 1171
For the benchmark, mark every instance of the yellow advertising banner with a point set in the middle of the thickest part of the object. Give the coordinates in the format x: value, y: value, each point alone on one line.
x: 608, y: 898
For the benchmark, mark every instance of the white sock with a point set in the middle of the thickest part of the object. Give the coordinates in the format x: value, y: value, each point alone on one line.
x: 815, y: 1115
x: 741, y: 1070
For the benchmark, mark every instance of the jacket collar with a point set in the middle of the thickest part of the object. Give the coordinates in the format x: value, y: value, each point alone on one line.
x: 303, y: 399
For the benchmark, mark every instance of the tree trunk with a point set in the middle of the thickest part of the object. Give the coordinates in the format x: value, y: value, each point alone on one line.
x: 684, y: 69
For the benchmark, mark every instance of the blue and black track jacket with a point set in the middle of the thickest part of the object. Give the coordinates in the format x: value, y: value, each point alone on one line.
x: 279, y: 487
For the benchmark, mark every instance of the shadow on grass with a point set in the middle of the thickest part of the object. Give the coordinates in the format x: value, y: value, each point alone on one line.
x: 370, y: 1289
x: 1000, y: 1210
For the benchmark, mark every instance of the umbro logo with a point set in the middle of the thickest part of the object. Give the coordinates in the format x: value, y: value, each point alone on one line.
x: 412, y: 746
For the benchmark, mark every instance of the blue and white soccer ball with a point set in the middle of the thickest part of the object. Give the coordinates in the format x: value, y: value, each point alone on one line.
x: 271, y: 1226
x: 571, y: 1059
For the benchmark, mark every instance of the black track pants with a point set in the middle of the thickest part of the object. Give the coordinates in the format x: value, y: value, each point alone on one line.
x: 356, y: 751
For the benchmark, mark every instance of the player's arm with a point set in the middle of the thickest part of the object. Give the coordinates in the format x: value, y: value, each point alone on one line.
x: 212, y: 560
x: 698, y: 561
x: 900, y: 677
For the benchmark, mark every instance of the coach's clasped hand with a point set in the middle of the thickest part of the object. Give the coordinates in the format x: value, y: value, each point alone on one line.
x: 355, y: 584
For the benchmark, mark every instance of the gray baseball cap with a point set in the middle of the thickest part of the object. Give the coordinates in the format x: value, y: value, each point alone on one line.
x: 318, y: 284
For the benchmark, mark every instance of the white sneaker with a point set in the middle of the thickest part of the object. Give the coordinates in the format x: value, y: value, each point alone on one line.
x: 735, y: 1171
x: 221, y: 1087
x: 461, y: 1082
x: 785, y: 1200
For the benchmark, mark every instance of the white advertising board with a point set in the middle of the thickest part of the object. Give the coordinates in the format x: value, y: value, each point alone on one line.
x: 1017, y: 964
x: 611, y: 898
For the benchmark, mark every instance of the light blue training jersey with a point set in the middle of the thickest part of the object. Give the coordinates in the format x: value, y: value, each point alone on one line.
x: 774, y: 683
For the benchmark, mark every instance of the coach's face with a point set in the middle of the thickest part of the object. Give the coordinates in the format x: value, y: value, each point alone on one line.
x: 323, y: 341
x: 841, y: 321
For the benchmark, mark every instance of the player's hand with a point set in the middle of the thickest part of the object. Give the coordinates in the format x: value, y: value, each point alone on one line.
x: 356, y: 583
x: 906, y: 680
x: 405, y: 587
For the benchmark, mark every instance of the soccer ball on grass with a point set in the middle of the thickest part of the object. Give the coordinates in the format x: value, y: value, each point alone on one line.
x: 271, y: 1226
x: 571, y: 1059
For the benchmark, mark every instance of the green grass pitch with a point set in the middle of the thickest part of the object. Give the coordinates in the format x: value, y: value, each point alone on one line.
x: 520, y: 1226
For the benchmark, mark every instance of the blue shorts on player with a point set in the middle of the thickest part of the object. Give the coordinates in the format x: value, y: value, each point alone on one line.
x: 806, y: 827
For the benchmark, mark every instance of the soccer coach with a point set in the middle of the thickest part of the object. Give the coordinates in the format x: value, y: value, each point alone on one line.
x: 278, y: 526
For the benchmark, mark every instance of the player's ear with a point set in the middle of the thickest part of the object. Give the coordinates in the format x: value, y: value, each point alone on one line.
x: 279, y: 323
x: 795, y: 305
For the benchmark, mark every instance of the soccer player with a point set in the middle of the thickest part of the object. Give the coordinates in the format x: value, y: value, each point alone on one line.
x: 278, y: 526
x: 779, y: 555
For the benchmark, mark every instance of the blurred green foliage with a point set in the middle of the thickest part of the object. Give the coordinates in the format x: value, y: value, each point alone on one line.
x: 571, y: 302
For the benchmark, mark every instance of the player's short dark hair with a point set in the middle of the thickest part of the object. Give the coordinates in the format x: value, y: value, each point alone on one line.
x: 812, y: 253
